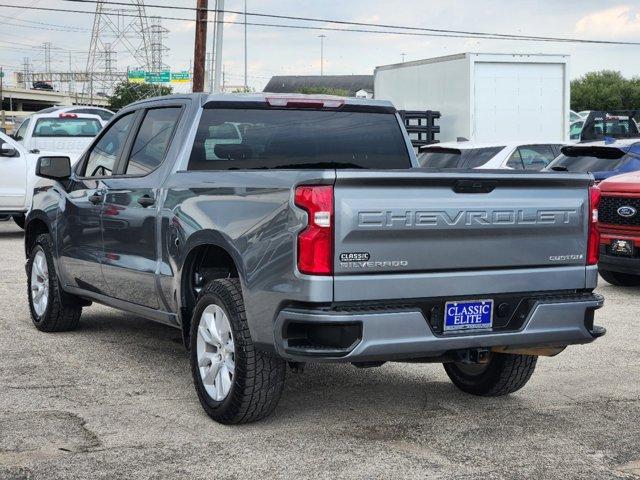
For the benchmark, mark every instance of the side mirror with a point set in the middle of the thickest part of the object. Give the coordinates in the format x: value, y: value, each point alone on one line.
x: 55, y: 168
x: 7, y: 150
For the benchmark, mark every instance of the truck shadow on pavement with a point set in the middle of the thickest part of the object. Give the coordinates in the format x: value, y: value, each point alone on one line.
x: 137, y: 348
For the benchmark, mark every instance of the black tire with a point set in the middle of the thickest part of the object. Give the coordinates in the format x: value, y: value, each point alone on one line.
x: 19, y: 219
x: 620, y: 279
x: 502, y: 375
x: 258, y: 380
x: 62, y: 312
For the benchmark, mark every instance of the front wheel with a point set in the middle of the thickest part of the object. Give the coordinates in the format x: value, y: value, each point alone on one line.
x: 620, y: 279
x: 503, y: 374
x: 235, y: 382
x: 52, y: 310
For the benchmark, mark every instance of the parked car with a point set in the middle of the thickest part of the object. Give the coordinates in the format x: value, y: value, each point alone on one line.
x: 65, y: 133
x: 464, y: 154
x: 584, y: 113
x: 17, y: 178
x: 602, y: 159
x: 619, y: 225
x: 312, y: 240
x: 104, y: 113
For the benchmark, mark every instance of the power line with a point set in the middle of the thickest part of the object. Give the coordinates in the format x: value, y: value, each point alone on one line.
x: 473, y: 34
x: 483, y: 36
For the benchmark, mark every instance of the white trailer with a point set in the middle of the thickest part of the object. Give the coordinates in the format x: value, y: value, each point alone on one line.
x: 484, y: 97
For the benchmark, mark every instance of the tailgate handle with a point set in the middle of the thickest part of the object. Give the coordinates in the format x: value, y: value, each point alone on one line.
x: 474, y: 186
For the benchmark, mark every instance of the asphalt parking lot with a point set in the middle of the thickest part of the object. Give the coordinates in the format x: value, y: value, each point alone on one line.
x: 114, y: 399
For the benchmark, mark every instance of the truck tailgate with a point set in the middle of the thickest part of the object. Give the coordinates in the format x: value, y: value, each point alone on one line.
x: 423, y: 222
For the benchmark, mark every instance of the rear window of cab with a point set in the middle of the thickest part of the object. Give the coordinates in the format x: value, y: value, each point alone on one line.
x: 67, y: 127
x: 269, y: 138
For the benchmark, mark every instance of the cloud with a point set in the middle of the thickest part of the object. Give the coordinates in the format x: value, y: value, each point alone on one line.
x: 616, y: 22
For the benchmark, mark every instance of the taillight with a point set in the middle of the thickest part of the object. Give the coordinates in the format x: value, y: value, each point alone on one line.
x: 315, y: 243
x: 67, y: 115
x: 593, y: 248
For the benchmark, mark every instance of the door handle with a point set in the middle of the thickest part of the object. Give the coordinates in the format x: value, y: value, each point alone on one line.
x: 96, y: 198
x: 146, y: 201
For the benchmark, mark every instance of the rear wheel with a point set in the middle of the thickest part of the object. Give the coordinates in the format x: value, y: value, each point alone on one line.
x: 235, y: 382
x: 501, y: 375
x: 19, y: 219
x: 620, y: 279
x: 52, y: 310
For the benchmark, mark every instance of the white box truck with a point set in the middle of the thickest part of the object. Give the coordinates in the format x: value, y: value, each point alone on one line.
x: 484, y: 97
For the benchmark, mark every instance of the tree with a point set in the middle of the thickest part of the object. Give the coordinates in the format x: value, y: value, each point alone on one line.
x: 341, y: 92
x: 605, y: 90
x: 128, y: 92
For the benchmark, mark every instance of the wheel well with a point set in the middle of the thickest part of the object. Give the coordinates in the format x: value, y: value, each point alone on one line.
x: 203, y: 264
x: 34, y: 228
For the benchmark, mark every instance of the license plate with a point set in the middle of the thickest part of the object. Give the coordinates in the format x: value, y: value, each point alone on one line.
x: 468, y: 315
x: 622, y: 247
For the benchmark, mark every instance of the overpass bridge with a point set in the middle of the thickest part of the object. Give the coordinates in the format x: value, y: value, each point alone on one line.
x: 19, y: 102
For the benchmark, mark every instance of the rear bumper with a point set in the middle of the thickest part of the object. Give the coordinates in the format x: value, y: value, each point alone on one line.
x: 385, y: 334
x: 619, y: 264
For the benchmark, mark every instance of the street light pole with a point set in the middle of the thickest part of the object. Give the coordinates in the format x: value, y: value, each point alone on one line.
x: 322, y: 37
x: 218, y: 59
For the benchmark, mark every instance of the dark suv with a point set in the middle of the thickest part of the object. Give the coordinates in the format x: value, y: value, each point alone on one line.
x: 275, y: 229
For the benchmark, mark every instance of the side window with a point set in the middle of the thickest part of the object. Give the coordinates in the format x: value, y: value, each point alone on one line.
x: 575, y: 130
x: 22, y: 131
x: 515, y: 160
x: 479, y: 156
x: 103, y: 155
x: 536, y: 157
x: 152, y: 140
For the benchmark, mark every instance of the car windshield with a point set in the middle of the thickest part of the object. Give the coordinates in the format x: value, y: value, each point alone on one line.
x: 247, y: 138
x: 596, y: 159
x: 67, y: 127
x: 444, y: 157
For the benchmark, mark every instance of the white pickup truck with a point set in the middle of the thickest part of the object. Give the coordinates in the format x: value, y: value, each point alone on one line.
x: 66, y: 133
x: 17, y: 177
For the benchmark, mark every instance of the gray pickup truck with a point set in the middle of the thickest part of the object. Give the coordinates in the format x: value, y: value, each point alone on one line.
x: 291, y: 229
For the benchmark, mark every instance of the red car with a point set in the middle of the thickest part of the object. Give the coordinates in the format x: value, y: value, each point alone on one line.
x: 619, y: 223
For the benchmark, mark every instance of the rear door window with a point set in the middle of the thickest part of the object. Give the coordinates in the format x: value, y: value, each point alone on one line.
x: 536, y: 157
x: 67, y: 127
x: 248, y: 138
x: 152, y: 140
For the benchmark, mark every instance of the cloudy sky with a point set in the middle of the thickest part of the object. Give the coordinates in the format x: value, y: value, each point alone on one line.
x: 287, y: 51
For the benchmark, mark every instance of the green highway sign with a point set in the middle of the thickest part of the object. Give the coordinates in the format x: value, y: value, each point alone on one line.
x: 163, y: 76
x: 136, y: 76
x: 180, y: 77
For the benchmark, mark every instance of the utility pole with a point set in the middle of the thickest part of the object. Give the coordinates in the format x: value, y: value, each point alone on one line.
x: 322, y: 37
x: 218, y: 52
x: 246, y: 84
x: 200, y: 48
